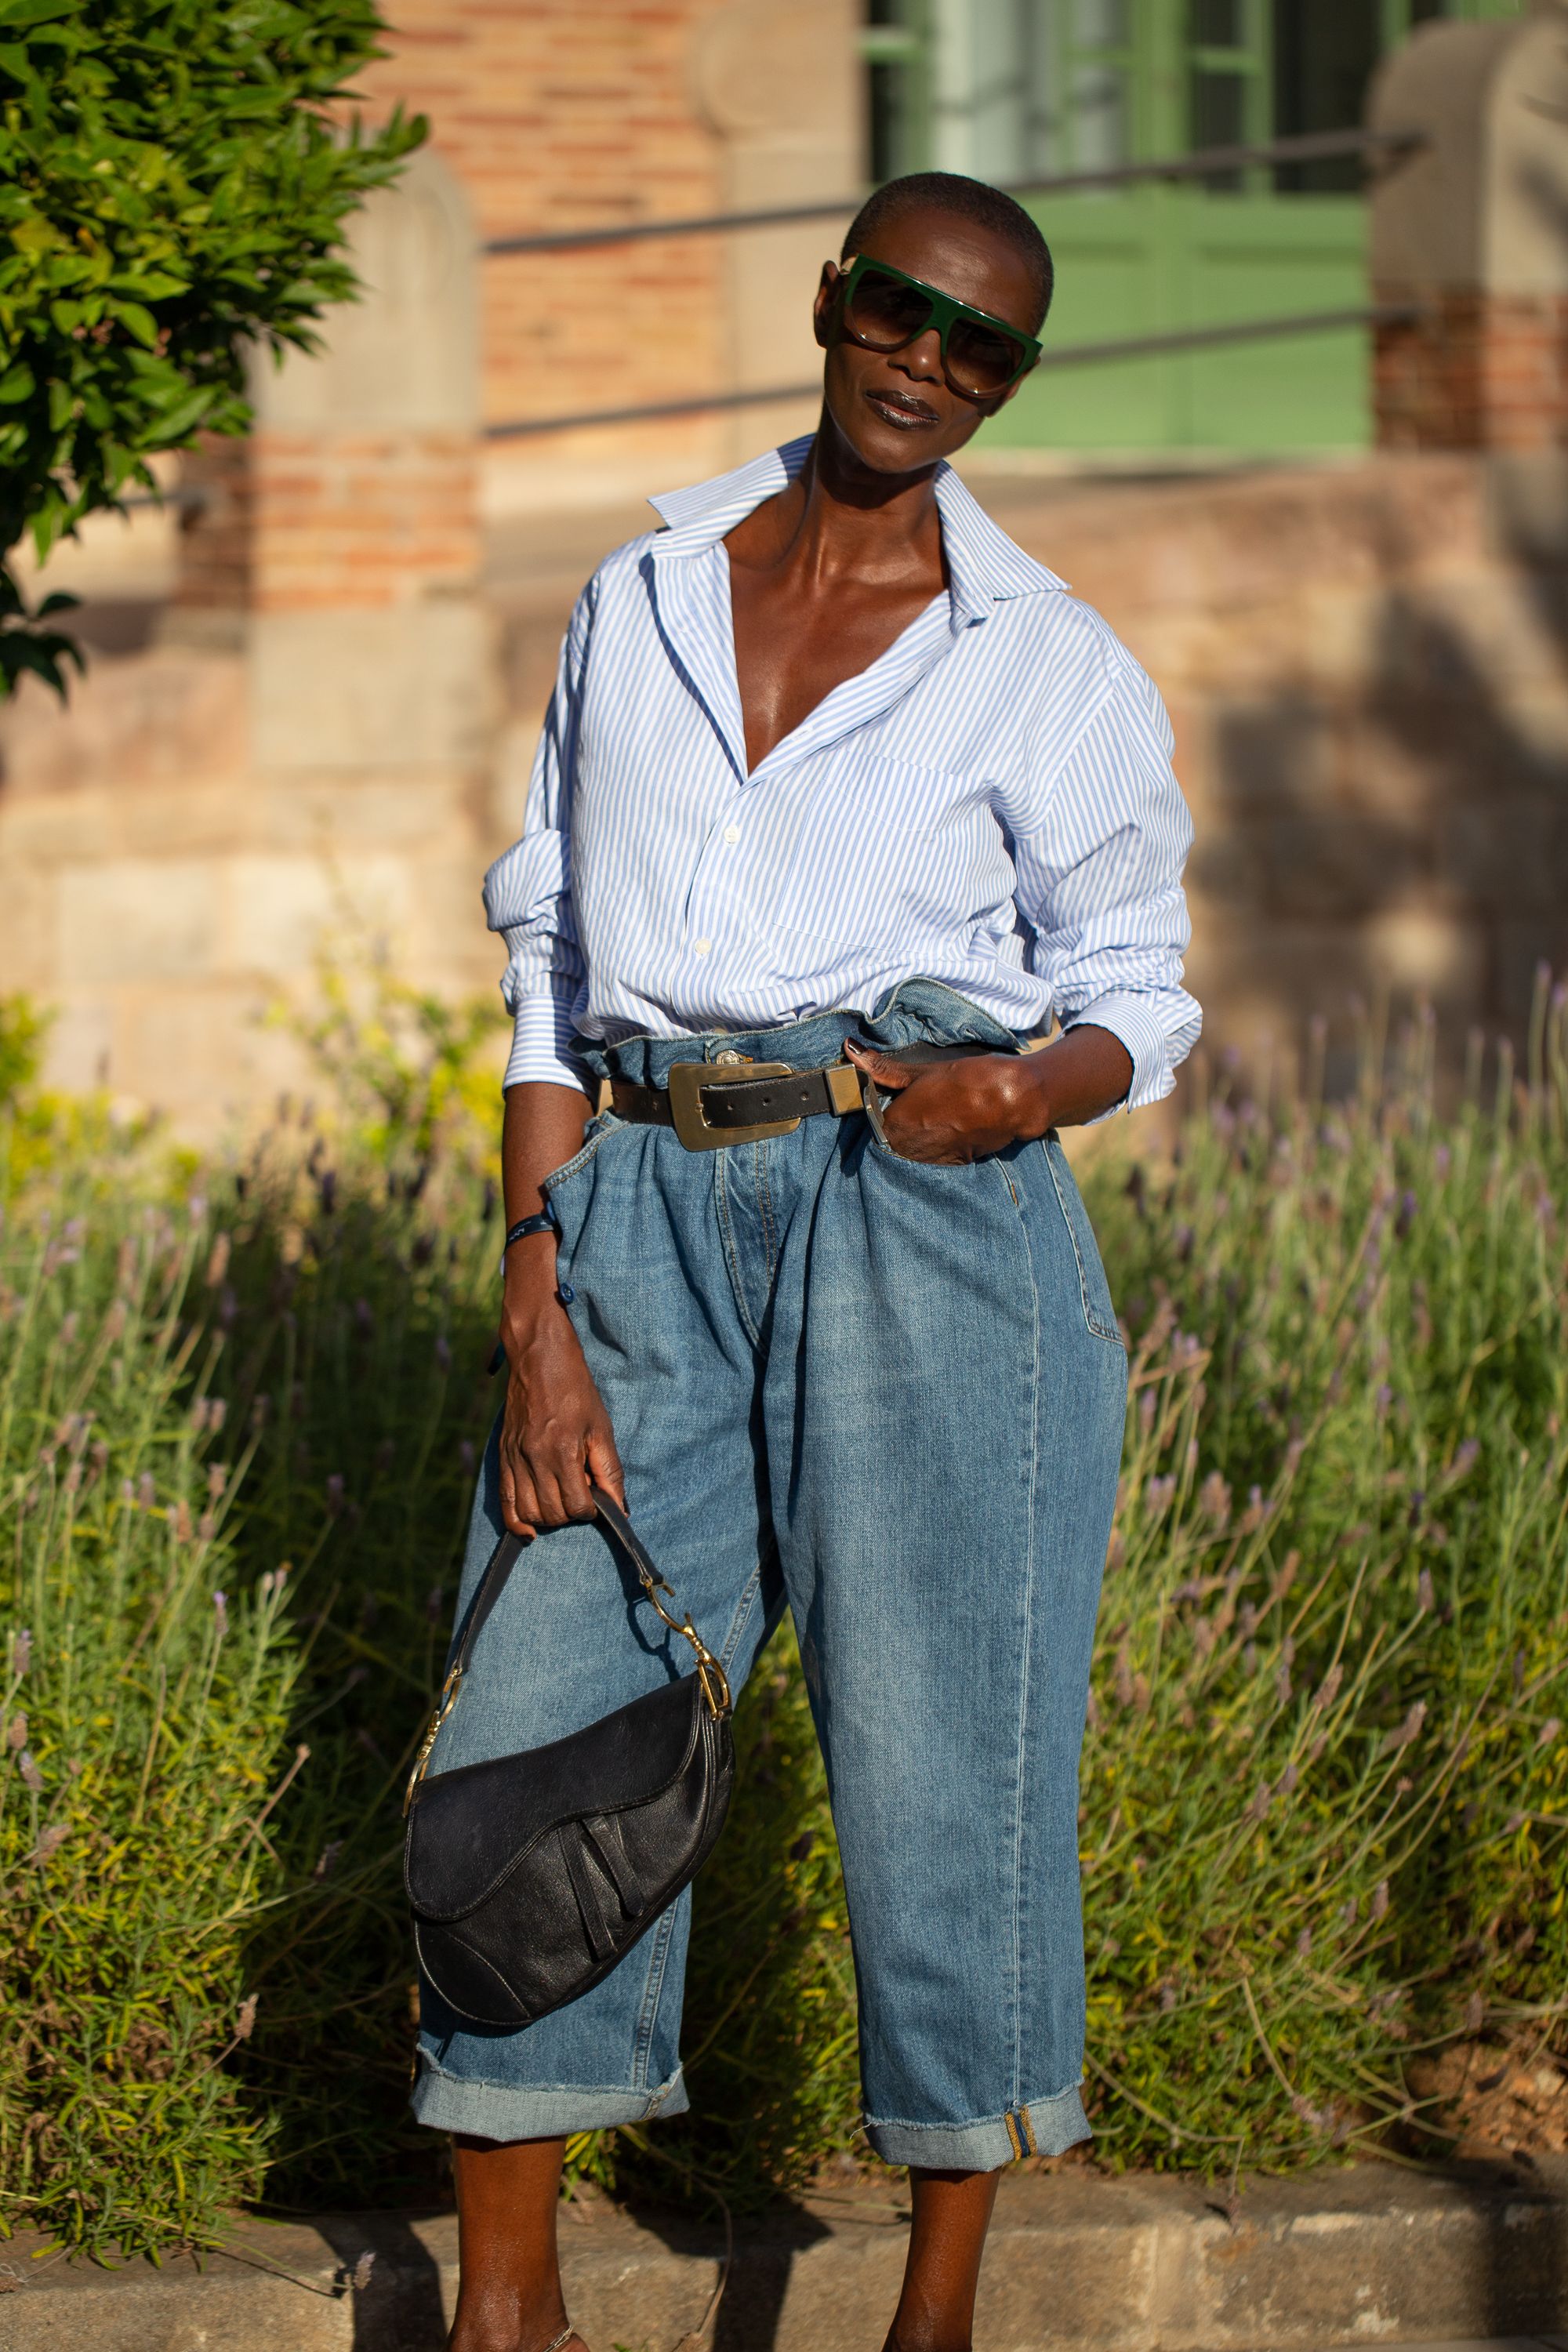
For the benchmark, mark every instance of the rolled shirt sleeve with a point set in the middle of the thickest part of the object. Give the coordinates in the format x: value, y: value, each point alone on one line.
x: 528, y: 890
x: 1100, y: 882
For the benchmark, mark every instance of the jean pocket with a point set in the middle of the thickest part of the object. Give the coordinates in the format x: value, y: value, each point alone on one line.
x: 598, y: 1131
x: 1099, y: 1312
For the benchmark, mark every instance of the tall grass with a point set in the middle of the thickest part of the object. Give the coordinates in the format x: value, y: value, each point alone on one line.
x: 1323, y: 1793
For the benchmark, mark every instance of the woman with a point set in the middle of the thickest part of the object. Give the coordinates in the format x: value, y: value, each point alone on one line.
x: 833, y: 775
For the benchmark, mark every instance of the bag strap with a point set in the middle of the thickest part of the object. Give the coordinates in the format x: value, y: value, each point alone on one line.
x: 492, y: 1584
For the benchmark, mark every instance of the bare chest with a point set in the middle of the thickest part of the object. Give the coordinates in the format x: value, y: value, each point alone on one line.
x: 793, y: 647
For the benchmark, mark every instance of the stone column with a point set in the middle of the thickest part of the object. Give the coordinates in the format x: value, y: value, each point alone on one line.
x: 781, y: 87
x: 338, y: 544
x: 1473, y: 226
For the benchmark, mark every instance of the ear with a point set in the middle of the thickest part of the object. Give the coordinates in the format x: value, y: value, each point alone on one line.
x: 827, y: 295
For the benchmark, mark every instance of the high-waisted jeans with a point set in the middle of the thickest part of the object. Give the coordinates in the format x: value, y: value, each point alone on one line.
x: 891, y: 1398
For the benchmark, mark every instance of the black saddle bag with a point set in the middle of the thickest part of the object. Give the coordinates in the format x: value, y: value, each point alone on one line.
x: 531, y: 1875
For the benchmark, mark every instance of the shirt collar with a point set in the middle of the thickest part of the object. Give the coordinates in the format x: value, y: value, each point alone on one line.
x: 985, y: 567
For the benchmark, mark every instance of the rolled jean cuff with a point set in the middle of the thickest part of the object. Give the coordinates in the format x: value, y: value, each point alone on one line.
x: 504, y: 2111
x: 1041, y: 2127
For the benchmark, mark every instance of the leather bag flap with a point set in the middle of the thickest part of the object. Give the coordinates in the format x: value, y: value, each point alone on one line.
x: 469, y: 1828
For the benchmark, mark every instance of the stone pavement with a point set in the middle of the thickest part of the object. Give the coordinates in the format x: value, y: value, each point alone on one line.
x: 1367, y: 2255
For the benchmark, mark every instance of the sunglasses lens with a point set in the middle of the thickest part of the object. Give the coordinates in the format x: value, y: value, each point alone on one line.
x: 981, y: 359
x: 884, y: 315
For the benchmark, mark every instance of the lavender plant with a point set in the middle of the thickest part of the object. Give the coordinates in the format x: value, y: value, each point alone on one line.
x: 1323, y: 1795
x: 144, y: 1696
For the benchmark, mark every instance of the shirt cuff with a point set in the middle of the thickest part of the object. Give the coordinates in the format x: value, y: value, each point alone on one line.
x: 1133, y: 1019
x: 541, y: 1037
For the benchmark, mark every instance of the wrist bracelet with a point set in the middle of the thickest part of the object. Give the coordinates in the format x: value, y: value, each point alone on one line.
x: 544, y: 1221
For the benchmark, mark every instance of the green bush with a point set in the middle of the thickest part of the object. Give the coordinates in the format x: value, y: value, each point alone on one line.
x: 174, y: 180
x: 1322, y: 1804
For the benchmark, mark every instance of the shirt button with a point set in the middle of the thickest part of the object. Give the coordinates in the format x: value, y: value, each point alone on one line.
x: 702, y: 946
x: 732, y: 835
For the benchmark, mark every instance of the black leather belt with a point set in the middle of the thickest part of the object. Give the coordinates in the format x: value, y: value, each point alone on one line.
x: 710, y: 1104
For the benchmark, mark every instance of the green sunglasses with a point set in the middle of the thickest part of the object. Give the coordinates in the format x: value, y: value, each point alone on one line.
x: 882, y: 311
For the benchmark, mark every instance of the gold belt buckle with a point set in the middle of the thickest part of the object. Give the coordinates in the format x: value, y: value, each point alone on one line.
x: 687, y: 1080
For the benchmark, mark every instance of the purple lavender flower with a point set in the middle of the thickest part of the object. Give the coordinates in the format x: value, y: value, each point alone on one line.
x: 1328, y: 1690
x: 220, y: 1614
x: 21, y: 1652
x: 1406, y: 1731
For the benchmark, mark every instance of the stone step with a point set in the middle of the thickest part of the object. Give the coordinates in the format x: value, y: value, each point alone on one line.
x: 1367, y: 2254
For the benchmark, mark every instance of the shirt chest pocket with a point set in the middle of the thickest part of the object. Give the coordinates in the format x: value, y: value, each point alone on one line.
x: 881, y: 847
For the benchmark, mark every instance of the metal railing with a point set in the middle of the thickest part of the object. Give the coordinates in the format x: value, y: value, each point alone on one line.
x: 1208, y: 162
x: 1126, y: 347
x: 1204, y: 164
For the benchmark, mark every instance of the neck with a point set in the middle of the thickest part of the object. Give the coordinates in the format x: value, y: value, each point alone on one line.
x: 839, y: 517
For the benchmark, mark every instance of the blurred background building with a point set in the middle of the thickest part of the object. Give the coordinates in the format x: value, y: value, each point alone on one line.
x: 1300, y: 434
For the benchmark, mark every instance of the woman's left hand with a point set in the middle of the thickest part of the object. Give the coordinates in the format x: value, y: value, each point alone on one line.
x: 949, y: 1113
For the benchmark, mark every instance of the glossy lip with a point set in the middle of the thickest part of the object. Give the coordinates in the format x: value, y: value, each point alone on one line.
x: 895, y: 409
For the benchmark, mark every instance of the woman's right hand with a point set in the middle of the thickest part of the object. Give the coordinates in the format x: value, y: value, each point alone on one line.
x: 555, y: 1442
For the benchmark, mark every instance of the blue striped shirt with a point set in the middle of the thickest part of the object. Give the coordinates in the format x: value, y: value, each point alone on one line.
x: 990, y: 804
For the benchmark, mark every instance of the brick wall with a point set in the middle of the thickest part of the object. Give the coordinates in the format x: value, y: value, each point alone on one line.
x: 565, y: 114
x: 1478, y: 372
x: 362, y: 522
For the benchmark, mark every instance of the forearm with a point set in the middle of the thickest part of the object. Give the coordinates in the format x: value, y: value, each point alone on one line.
x: 542, y: 1129
x: 1084, y: 1071
x: 556, y: 1443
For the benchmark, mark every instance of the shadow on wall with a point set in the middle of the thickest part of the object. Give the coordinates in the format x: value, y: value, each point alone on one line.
x: 1410, y: 833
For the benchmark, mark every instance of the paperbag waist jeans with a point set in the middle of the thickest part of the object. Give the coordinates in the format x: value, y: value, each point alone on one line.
x: 889, y: 1397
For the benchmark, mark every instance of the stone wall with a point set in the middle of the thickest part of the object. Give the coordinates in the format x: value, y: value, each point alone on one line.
x: 1469, y: 230
x: 555, y: 115
x: 1366, y: 665
x: 1367, y: 668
